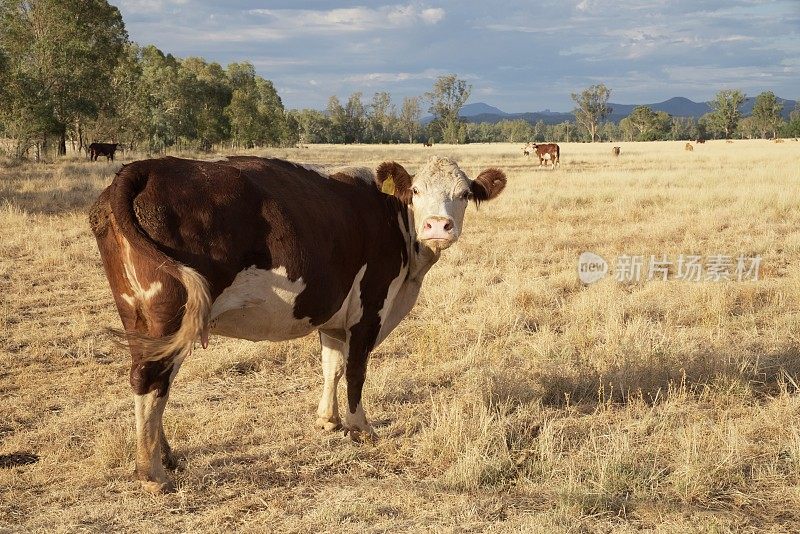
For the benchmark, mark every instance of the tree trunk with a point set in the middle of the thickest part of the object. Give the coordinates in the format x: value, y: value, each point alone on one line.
x: 62, y: 143
x: 80, y: 137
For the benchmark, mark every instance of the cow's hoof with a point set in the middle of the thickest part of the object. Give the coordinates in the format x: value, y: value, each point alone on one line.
x: 329, y: 424
x: 157, y: 488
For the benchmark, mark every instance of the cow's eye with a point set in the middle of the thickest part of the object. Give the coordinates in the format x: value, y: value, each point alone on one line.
x: 465, y: 195
x: 415, y: 190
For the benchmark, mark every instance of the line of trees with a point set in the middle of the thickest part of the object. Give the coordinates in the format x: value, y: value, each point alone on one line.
x: 379, y: 121
x: 356, y: 122
x: 723, y: 121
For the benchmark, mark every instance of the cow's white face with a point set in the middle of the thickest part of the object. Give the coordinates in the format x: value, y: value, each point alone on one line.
x: 440, y: 192
x: 438, y: 196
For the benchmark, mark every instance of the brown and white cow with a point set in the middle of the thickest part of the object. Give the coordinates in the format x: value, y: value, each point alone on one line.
x: 547, y: 153
x: 102, y: 149
x: 615, y: 151
x: 265, y: 249
x: 688, y: 147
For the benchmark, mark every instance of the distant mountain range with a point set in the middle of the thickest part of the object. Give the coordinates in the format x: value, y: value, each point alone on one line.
x: 677, y: 107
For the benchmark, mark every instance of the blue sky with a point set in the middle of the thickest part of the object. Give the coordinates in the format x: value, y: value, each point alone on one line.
x: 523, y: 56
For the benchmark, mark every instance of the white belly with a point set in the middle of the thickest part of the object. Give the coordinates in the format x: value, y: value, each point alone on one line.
x: 259, y: 305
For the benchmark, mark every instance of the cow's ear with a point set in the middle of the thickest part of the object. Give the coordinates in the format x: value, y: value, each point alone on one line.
x: 488, y: 184
x: 399, y: 176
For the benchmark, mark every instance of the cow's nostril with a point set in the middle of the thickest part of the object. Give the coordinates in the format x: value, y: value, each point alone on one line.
x: 448, y: 226
x: 427, y: 226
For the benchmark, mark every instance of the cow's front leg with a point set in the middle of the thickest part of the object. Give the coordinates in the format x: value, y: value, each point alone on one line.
x: 360, y: 344
x: 332, y: 371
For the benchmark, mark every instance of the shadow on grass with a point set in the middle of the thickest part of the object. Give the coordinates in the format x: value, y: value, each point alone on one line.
x: 52, y: 202
x: 51, y: 189
x: 756, y: 377
x: 17, y: 458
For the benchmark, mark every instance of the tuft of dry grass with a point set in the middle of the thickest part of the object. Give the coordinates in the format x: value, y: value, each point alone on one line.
x: 513, y: 398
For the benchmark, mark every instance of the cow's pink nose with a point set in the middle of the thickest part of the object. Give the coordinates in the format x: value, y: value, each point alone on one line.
x: 444, y: 225
x: 437, y: 228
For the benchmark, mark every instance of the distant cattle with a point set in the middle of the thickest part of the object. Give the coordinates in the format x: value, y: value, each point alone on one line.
x: 547, y: 152
x: 779, y: 140
x: 700, y: 141
x: 688, y: 147
x: 615, y: 151
x: 102, y: 149
x: 427, y: 143
x: 729, y: 141
x: 266, y: 249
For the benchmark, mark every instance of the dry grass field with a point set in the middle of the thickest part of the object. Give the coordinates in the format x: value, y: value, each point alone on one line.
x: 512, y: 399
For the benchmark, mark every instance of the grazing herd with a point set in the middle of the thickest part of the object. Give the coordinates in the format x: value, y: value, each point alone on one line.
x: 550, y: 153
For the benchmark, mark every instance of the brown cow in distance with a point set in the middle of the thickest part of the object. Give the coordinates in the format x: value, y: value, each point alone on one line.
x: 102, y: 149
x: 266, y: 249
x: 615, y: 151
x: 700, y: 141
x: 688, y: 147
x: 546, y: 152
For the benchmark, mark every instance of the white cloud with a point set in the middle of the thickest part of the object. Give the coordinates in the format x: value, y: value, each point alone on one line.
x: 270, y: 62
x: 148, y: 6
x: 393, y: 77
x: 347, y: 20
x: 243, y: 35
x: 529, y: 29
x: 432, y: 15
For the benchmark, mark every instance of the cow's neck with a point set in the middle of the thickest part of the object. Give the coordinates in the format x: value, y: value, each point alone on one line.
x: 420, y: 260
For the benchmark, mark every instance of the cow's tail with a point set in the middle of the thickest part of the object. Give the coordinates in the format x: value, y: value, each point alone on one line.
x: 128, y: 183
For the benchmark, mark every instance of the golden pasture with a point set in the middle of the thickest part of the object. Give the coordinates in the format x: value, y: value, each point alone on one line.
x: 513, y: 398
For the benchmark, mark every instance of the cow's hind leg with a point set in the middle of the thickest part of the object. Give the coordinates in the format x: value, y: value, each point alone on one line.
x: 149, y: 409
x: 332, y: 371
x: 151, y: 383
x: 151, y: 304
